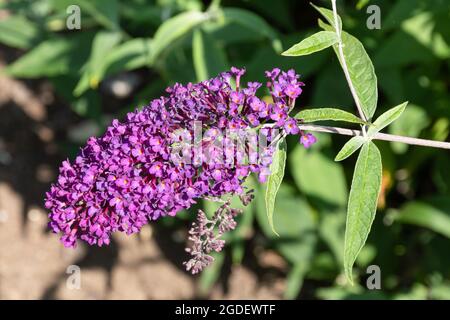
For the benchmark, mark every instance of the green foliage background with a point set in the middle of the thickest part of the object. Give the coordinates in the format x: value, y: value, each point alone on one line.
x: 168, y: 41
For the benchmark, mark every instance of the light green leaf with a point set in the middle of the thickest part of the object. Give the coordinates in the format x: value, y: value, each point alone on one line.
x: 361, y: 70
x: 413, y: 120
x: 432, y: 214
x: 18, y: 32
x: 175, y: 28
x: 209, y: 58
x: 317, y: 42
x: 362, y: 73
x: 329, y: 187
x: 362, y: 203
x: 322, y: 114
x: 350, y: 147
x: 132, y: 54
x: 253, y: 22
x: 386, y: 118
x: 103, y: 43
x: 56, y: 56
x: 274, y: 181
x: 331, y: 229
x: 328, y: 15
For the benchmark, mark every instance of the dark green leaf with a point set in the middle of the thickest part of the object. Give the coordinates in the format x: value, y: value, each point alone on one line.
x: 253, y: 22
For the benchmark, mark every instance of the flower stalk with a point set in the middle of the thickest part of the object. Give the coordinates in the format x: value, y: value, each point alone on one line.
x: 377, y: 136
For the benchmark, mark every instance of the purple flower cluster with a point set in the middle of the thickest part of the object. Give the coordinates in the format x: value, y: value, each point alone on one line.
x: 126, y: 177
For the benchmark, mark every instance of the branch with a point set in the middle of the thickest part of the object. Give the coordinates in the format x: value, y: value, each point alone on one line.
x: 344, y: 64
x: 377, y: 136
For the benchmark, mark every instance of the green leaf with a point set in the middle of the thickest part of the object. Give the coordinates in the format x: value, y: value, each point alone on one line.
x: 362, y: 73
x: 175, y: 28
x: 56, y: 56
x: 295, y: 280
x: 295, y: 223
x: 105, y: 12
x: 413, y: 120
x: 361, y: 70
x: 329, y: 187
x: 317, y: 42
x: 331, y: 229
x: 129, y: 55
x: 432, y: 214
x: 103, y: 43
x: 274, y: 181
x: 253, y: 22
x: 386, y: 118
x: 322, y: 114
x: 362, y: 203
x: 210, y: 275
x: 329, y: 16
x: 209, y: 58
x: 18, y: 32
x: 350, y: 147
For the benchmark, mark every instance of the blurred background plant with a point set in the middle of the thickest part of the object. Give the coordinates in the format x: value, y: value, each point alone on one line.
x: 127, y: 52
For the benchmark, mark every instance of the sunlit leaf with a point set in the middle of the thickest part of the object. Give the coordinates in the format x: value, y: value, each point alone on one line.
x: 432, y: 214
x: 362, y: 203
x: 323, y: 114
x: 274, y: 181
x: 175, y: 28
x: 386, y: 118
x: 350, y: 147
x: 103, y: 43
x: 317, y: 42
x: 56, y: 56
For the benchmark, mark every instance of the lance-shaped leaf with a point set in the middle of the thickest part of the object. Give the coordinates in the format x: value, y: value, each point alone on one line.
x: 323, y: 114
x: 103, y: 43
x: 362, y: 73
x: 317, y: 42
x: 274, y: 181
x: 362, y: 203
x: 129, y: 55
x: 173, y: 29
x: 350, y: 147
x: 209, y: 59
x: 386, y: 118
x: 360, y: 68
x: 328, y: 15
x: 18, y: 32
x: 432, y: 213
